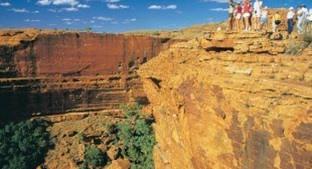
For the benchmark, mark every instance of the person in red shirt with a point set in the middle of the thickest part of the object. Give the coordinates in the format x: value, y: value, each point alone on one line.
x: 247, y: 11
x: 238, y: 13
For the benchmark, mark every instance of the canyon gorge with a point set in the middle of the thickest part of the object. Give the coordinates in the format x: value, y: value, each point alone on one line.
x: 221, y: 100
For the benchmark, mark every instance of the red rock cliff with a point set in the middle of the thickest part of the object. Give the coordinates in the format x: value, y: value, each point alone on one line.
x: 44, y: 73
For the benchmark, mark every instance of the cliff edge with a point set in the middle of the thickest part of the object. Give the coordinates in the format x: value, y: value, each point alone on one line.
x: 231, y: 100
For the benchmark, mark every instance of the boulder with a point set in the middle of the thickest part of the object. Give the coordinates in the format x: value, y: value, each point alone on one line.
x: 119, y: 164
x: 113, y: 152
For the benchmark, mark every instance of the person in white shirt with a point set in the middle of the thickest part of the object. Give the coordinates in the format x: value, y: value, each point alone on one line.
x: 302, y: 16
x: 309, y: 21
x: 290, y: 20
x: 264, y: 18
x: 257, y: 7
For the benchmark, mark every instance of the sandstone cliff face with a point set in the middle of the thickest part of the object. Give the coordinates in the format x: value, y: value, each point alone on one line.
x: 56, y: 72
x: 221, y: 110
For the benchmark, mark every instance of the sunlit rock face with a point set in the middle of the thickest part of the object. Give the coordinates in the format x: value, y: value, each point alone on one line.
x: 221, y: 109
x: 45, y: 72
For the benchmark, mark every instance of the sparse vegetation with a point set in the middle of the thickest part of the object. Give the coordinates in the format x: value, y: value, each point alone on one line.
x: 24, y: 145
x: 296, y: 48
x: 137, y: 137
x: 307, y: 36
x: 94, y: 157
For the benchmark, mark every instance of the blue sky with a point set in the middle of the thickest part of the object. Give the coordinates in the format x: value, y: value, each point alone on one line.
x: 118, y: 15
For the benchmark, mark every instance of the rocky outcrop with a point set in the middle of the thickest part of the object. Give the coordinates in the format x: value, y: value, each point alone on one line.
x: 245, y: 42
x: 55, y: 72
x: 220, y: 109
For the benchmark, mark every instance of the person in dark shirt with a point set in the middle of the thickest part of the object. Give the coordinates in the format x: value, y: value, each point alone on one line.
x: 231, y: 14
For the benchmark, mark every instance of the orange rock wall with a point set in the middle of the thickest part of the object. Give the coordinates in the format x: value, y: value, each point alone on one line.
x: 70, y: 72
x: 83, y: 53
x: 222, y: 110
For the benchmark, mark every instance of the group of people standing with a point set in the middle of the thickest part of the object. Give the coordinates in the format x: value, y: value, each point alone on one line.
x: 248, y: 15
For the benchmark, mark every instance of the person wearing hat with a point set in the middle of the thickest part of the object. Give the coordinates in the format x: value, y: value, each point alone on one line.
x: 302, y: 15
x: 264, y: 18
x: 290, y: 20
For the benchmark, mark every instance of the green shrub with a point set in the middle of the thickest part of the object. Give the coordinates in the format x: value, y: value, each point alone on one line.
x: 94, y: 157
x: 296, y: 48
x: 24, y: 145
x: 307, y: 36
x: 137, y: 136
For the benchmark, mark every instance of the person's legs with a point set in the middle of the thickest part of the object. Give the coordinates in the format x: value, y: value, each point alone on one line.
x: 250, y: 22
x: 254, y: 20
x: 247, y: 23
x: 288, y: 26
x: 236, y: 24
x: 299, y: 26
x: 244, y: 22
x: 230, y: 24
x: 273, y: 26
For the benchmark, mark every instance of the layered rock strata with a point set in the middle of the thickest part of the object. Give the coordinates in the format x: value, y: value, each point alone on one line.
x: 55, y: 72
x: 218, y: 109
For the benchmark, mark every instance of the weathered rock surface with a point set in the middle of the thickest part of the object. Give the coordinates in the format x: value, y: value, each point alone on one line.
x: 119, y: 164
x: 221, y: 109
x: 244, y: 42
x: 55, y: 72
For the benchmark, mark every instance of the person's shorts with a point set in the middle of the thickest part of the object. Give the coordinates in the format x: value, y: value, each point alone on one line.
x: 263, y: 20
x: 246, y: 15
x: 277, y: 22
x: 238, y: 16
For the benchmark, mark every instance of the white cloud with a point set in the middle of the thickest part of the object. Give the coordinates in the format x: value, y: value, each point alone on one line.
x: 102, y: 18
x: 70, y: 20
x: 219, y: 9
x: 171, y: 7
x: 157, y: 7
x: 32, y: 20
x: 126, y: 21
x: 83, y: 6
x: 74, y: 5
x: 35, y: 12
x: 44, y: 2
x: 154, y: 7
x: 117, y: 6
x: 219, y: 1
x: 71, y: 9
x: 53, y: 10
x: 58, y: 2
x: 112, y: 1
x: 65, y: 2
x: 21, y: 10
x: 5, y: 4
